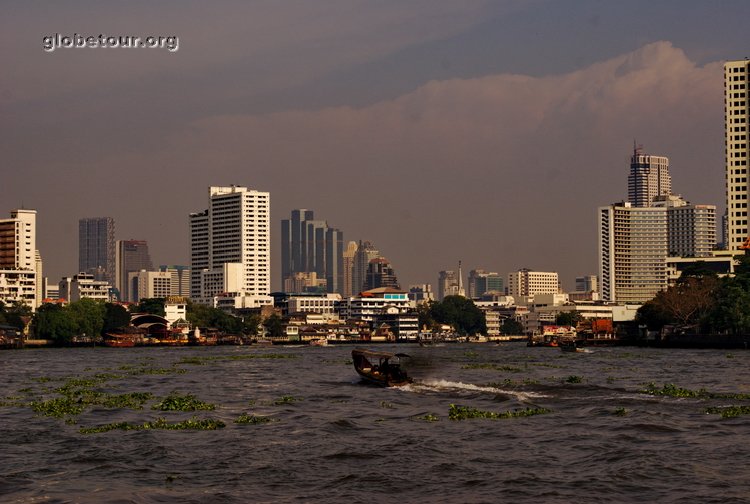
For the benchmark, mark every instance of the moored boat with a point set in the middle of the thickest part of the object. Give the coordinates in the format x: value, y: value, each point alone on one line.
x: 380, y: 368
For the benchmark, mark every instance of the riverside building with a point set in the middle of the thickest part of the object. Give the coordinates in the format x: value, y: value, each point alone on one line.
x: 20, y: 261
x: 736, y: 150
x: 230, y: 248
x: 632, y: 251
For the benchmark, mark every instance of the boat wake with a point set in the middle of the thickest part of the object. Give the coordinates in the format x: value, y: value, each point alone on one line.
x: 451, y: 386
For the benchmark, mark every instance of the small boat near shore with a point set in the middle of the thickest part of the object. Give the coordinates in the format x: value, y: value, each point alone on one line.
x: 380, y: 368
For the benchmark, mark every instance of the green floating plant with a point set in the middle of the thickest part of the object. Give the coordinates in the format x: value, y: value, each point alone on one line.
x: 160, y: 423
x: 245, y: 419
x: 188, y: 402
x: 728, y: 411
x: 465, y: 413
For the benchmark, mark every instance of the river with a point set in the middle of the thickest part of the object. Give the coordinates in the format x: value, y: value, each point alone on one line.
x: 326, y: 437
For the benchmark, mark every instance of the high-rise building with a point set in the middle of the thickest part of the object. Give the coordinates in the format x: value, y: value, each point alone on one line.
x: 691, y: 229
x: 481, y: 281
x: 649, y: 178
x: 736, y: 149
x: 20, y: 262
x: 587, y: 283
x: 96, y: 248
x: 380, y: 274
x: 632, y: 251
x: 311, y: 246
x: 366, y: 252
x: 449, y: 284
x: 526, y: 282
x: 131, y: 256
x: 230, y: 245
x: 348, y: 269
x: 180, y: 275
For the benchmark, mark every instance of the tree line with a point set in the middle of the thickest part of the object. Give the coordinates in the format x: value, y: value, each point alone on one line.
x: 90, y: 318
x: 702, y: 303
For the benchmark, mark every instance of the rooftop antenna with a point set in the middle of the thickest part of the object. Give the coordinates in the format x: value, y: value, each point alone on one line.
x: 460, y: 279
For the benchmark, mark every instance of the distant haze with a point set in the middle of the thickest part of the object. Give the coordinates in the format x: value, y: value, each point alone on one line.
x: 486, y: 131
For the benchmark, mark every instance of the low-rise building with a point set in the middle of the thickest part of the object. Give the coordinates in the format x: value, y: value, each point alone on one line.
x: 83, y: 285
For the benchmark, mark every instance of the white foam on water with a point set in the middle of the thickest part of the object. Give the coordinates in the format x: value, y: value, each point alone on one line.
x: 445, y: 385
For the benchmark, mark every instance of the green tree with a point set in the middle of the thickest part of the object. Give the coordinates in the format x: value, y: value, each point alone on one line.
x: 54, y: 322
x: 16, y: 315
x: 570, y: 318
x: 511, y: 327
x: 461, y: 313
x: 274, y: 326
x: 154, y: 306
x: 207, y: 316
x: 115, y: 317
x: 88, y: 316
x: 424, y: 315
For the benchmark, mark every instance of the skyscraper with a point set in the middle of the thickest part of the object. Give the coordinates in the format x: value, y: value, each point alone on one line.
x: 737, y: 152
x: 311, y: 246
x: 380, y: 274
x: 230, y: 245
x: 131, y: 256
x: 632, y: 251
x: 96, y: 248
x: 649, y: 177
x: 481, y: 281
x: 348, y: 269
x: 366, y: 252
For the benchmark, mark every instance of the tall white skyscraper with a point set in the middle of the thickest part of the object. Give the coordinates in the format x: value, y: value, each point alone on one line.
x: 648, y: 178
x: 737, y: 152
x: 230, y: 245
x: 632, y: 251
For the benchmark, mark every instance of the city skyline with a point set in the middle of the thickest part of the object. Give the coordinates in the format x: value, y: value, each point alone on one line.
x: 493, y: 138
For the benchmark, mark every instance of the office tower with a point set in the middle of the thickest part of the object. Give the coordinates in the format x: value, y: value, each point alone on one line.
x: 632, y: 251
x: 131, y: 256
x: 481, y: 281
x: 736, y: 150
x: 96, y: 248
x: 348, y: 269
x: 649, y: 177
x: 366, y: 252
x: 311, y: 246
x: 20, y: 262
x: 691, y: 229
x: 526, y: 282
x: 334, y: 260
x: 447, y: 284
x: 180, y: 275
x: 380, y: 274
x: 230, y: 245
x: 587, y: 283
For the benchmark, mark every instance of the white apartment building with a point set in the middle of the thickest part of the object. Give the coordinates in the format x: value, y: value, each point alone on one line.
x: 149, y: 284
x: 326, y: 304
x: 234, y: 230
x: 526, y: 282
x: 736, y: 149
x: 691, y: 229
x: 83, y: 285
x: 20, y: 262
x: 632, y: 252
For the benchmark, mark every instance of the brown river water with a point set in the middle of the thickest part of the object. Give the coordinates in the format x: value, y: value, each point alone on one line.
x: 334, y: 439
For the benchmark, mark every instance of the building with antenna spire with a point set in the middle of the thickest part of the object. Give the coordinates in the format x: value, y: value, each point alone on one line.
x: 649, y: 177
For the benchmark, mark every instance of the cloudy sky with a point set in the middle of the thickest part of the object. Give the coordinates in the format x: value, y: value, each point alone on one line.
x: 486, y: 131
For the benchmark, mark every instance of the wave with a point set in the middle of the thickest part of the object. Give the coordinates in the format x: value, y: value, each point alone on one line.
x: 447, y: 386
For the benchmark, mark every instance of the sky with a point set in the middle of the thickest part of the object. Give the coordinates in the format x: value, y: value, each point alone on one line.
x: 485, y: 131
